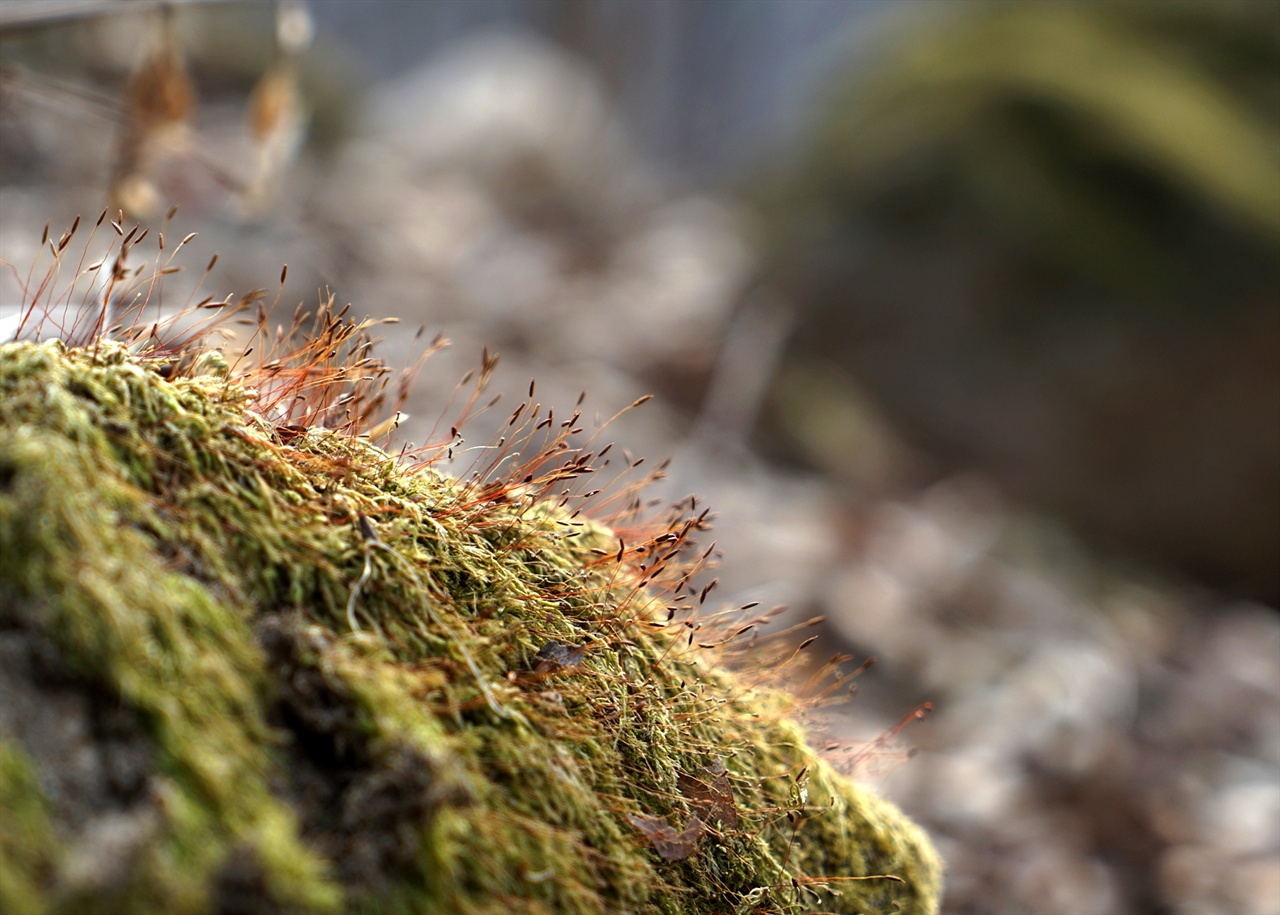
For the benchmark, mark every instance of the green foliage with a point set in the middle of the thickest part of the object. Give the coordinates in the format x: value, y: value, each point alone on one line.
x: 1093, y: 131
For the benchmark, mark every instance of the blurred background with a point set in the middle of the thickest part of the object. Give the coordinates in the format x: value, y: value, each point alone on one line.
x: 964, y: 316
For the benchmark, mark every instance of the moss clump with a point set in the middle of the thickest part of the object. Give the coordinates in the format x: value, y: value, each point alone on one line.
x: 27, y: 843
x: 513, y: 728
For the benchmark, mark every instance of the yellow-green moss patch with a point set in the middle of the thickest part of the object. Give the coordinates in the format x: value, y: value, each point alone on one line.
x: 203, y: 565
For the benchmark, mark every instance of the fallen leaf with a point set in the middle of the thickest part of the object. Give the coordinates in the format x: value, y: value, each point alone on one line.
x: 556, y: 656
x: 669, y: 844
x: 710, y: 792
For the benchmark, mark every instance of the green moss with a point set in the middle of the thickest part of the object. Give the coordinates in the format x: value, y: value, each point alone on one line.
x: 205, y: 566
x: 28, y: 848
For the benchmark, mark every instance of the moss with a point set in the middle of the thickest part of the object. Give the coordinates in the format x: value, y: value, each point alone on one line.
x: 27, y: 844
x: 207, y: 566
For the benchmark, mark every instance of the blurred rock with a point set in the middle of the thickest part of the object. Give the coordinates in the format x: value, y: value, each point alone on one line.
x: 505, y: 190
x: 1099, y: 743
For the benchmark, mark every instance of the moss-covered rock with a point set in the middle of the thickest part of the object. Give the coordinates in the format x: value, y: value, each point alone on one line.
x: 255, y: 667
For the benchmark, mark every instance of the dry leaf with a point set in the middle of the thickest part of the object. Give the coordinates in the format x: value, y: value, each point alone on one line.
x: 711, y: 793
x: 556, y: 656
x: 669, y: 844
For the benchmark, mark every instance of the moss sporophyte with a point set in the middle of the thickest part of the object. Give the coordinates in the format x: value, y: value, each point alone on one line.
x: 350, y: 682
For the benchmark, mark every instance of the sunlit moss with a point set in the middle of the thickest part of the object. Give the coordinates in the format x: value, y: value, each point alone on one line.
x: 205, y: 565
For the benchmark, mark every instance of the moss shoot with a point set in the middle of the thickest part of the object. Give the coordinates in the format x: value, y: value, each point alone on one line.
x: 362, y: 685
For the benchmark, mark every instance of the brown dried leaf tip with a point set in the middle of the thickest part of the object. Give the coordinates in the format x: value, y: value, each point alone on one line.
x: 669, y: 844
x: 710, y: 792
x: 159, y: 102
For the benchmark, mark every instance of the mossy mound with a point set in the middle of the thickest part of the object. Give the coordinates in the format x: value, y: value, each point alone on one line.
x: 513, y: 727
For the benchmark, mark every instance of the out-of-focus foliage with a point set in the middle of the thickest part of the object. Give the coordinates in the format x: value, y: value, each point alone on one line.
x: 1076, y: 122
x: 1045, y: 238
